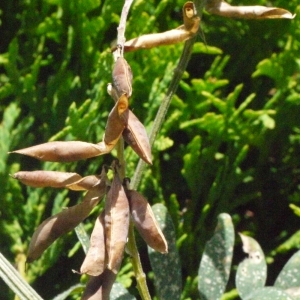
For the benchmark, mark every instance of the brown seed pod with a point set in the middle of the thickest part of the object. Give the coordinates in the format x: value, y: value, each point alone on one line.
x: 41, y: 178
x: 66, y: 220
x: 180, y: 34
x: 94, y: 262
x: 99, y: 287
x: 222, y: 8
x: 62, y: 151
x: 136, y: 136
x: 122, y: 77
x: 190, y: 19
x: 116, y: 122
x: 116, y: 223
x: 145, y: 222
x: 85, y: 183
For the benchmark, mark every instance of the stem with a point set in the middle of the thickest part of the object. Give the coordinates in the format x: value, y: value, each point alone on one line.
x: 131, y: 244
x: 162, y: 111
x: 121, y: 28
x: 15, y: 281
x: 137, y: 266
x: 121, y: 158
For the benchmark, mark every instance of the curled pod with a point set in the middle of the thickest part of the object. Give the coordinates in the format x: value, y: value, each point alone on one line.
x: 42, y: 178
x: 85, y: 183
x: 61, y: 223
x: 116, y: 223
x: 170, y: 37
x: 222, y: 8
x: 94, y: 262
x: 99, y: 287
x: 122, y: 77
x: 151, y: 40
x: 117, y: 119
x: 145, y: 222
x: 136, y: 136
x: 62, y: 151
x: 190, y: 18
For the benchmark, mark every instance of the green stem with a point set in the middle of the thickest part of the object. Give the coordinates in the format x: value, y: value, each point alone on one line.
x: 137, y: 266
x: 162, y: 111
x: 16, y: 282
x: 131, y: 244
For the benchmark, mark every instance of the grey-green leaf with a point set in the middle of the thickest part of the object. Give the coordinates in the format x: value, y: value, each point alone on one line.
x: 118, y: 292
x: 77, y: 288
x: 166, y: 267
x: 289, y: 275
x: 216, y: 261
x: 267, y: 293
x: 252, y: 272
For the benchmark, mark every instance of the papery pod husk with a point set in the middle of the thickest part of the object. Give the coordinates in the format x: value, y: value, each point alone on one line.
x: 190, y: 19
x: 95, y: 260
x: 99, y: 287
x: 116, y: 122
x: 152, y: 40
x: 61, y: 223
x: 136, y: 136
x: 85, y: 183
x: 122, y: 77
x: 180, y: 34
x: 222, y: 8
x: 62, y: 151
x: 42, y: 178
x: 145, y: 222
x: 116, y: 223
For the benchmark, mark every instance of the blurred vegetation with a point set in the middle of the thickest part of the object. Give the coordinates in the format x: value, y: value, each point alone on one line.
x: 230, y: 142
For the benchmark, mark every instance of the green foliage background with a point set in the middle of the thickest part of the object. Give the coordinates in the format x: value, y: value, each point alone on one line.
x: 230, y: 142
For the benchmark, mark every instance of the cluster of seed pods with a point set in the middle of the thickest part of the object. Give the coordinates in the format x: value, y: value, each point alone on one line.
x: 121, y: 121
x: 109, y: 236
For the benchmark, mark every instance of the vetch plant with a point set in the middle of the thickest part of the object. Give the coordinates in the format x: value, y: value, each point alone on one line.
x: 124, y: 206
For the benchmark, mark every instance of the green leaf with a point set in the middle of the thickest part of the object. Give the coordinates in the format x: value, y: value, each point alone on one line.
x: 289, y: 275
x: 206, y: 49
x: 290, y: 243
x: 252, y: 272
x: 166, y: 267
x: 295, y: 209
x: 216, y: 261
x: 118, y: 292
x: 267, y: 293
x: 75, y: 289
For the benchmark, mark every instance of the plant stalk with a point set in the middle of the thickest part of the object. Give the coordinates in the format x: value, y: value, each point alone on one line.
x: 131, y: 244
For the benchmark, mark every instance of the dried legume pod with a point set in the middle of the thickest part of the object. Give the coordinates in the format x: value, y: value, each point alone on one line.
x: 134, y: 133
x: 136, y: 136
x: 63, y: 151
x: 99, y: 287
x: 66, y: 220
x: 180, y: 34
x: 145, y: 222
x: 222, y: 8
x: 116, y: 223
x: 42, y: 178
x: 94, y: 262
x: 122, y: 77
x: 85, y: 183
x: 116, y: 122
